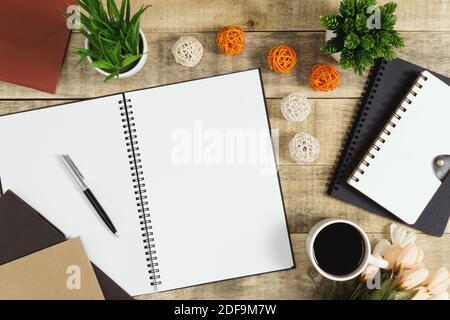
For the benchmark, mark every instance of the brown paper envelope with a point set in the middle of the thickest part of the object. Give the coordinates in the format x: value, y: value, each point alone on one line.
x: 61, y: 272
x: 24, y: 231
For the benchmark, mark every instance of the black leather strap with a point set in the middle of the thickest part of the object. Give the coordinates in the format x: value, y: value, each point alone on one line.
x: 441, y: 165
x: 437, y: 211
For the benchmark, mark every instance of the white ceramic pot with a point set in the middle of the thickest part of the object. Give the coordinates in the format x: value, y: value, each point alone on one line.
x: 329, y: 34
x: 138, y: 67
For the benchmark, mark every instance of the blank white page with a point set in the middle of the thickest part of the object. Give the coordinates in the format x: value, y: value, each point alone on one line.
x: 401, y: 176
x: 91, y: 133
x: 216, y: 212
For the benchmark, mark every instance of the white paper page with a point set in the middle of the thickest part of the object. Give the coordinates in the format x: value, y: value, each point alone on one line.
x: 91, y: 133
x: 401, y: 177
x: 214, y: 216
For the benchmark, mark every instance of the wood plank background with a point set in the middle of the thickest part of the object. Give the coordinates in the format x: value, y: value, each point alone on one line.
x: 425, y: 25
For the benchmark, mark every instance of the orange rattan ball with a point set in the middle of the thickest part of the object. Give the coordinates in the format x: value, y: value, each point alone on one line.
x: 282, y: 59
x: 324, y: 77
x: 230, y: 40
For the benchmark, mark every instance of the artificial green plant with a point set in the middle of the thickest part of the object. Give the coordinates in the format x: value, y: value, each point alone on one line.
x: 113, y: 34
x: 364, y: 31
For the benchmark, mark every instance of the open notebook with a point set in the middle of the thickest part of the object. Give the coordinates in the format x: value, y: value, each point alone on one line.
x: 186, y: 172
x: 397, y: 171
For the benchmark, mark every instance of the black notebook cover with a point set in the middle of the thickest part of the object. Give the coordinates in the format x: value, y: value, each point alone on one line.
x: 24, y: 231
x: 387, y: 85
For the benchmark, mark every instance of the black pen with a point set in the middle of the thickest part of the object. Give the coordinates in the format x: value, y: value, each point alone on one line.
x: 76, y: 174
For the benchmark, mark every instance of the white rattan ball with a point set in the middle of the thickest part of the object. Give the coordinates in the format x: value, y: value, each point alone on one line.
x: 304, y: 148
x: 187, y: 51
x: 295, y: 107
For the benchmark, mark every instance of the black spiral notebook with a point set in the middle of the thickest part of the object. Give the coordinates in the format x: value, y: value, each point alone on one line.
x: 388, y: 84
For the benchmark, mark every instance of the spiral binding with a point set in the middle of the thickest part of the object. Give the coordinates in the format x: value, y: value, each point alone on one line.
x: 377, y: 145
x: 140, y: 192
x: 373, y: 80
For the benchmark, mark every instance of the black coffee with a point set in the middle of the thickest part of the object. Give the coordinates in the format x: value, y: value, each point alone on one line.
x: 339, y: 249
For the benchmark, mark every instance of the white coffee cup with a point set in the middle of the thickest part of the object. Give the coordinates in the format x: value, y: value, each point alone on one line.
x: 367, y: 259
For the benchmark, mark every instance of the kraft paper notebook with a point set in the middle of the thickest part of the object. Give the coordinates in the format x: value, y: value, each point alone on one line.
x: 24, y: 231
x: 61, y: 272
x: 188, y: 177
x: 33, y: 41
x: 387, y: 86
x: 406, y: 147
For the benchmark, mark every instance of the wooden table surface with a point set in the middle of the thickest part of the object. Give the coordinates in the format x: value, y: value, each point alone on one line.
x: 425, y: 25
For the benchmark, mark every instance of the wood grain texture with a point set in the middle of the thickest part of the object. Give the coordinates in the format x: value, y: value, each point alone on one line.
x: 426, y: 48
x: 304, y: 186
x: 293, y: 283
x: 12, y: 106
x: 329, y: 121
x: 306, y: 201
x: 424, y: 25
x: 279, y: 15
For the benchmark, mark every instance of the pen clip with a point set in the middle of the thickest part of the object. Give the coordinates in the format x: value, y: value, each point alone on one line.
x: 72, y: 165
x: 74, y: 171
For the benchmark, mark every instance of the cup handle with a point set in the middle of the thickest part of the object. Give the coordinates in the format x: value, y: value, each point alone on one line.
x: 378, y: 262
